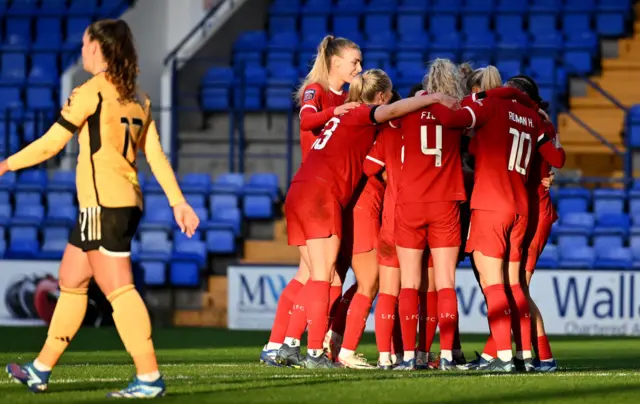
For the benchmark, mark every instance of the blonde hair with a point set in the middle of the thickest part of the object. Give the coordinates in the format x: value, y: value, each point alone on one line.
x: 365, y: 86
x: 444, y: 77
x: 329, y: 46
x: 485, y: 77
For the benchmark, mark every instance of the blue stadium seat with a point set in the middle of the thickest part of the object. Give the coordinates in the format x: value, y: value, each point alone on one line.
x: 608, y: 201
x: 314, y: 23
x: 576, y: 23
x: 285, y: 7
x: 52, y: 8
x: 10, y: 99
x: 19, y: 29
x: 547, y: 44
x: 83, y: 8
x: 48, y: 34
x: 611, y: 24
x: 40, y: 98
x: 479, y: 6
x: 413, y: 6
x: 479, y: 47
x: 634, y: 245
x: 222, y: 201
x: 446, y: 6
x: 613, y: 223
x: 381, y: 41
x: 8, y: 180
x: 567, y: 238
x: 184, y: 274
x: 509, y: 24
x: 196, y: 200
x: 579, y: 52
x: 14, y: 69
x: 614, y: 258
x: 55, y: 240
x: 5, y: 214
x: 573, y: 200
x: 158, y: 217
x: 442, y: 24
x: 58, y: 199
x: 634, y: 202
x: 255, y: 78
x: 346, y: 23
x: 5, y: 198
x: 155, y: 246
x: 229, y: 217
x: 586, y: 6
x: 155, y: 273
x: 580, y: 222
x: 75, y: 30
x: 264, y: 182
x: 228, y: 183
x: 548, y: 258
x: 196, y: 183
x: 382, y: 6
x: 28, y: 198
x: 28, y: 215
x: 510, y: 6
x: 23, y: 242
x: 577, y: 257
x: 283, y: 24
x: 221, y: 241
x: 316, y: 7
x: 283, y: 42
x: 257, y: 206
x: 349, y: 6
x: 152, y: 186
x: 543, y: 70
x: 544, y: 6
x: 475, y: 23
x: 410, y: 24
x: 376, y: 23
x: 509, y: 68
x: 216, y: 86
x: 190, y: 250
x: 62, y: 180
x: 606, y: 241
x: 45, y: 61
x: 65, y: 216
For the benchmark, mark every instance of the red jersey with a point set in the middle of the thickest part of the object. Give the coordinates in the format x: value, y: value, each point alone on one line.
x: 539, y: 198
x: 316, y: 109
x: 337, y: 155
x: 386, y: 153
x: 432, y: 168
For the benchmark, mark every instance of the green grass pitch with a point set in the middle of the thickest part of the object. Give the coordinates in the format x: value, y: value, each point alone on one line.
x: 209, y: 365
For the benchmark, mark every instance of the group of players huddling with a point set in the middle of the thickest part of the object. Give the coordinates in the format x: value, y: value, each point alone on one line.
x: 401, y: 190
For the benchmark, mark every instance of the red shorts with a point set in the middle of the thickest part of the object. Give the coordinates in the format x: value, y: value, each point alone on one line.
x: 536, y: 237
x: 497, y: 234
x: 311, y: 212
x: 387, y: 255
x: 434, y: 223
x: 360, y: 230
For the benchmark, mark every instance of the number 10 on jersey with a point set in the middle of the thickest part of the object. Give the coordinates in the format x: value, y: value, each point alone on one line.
x: 517, y: 150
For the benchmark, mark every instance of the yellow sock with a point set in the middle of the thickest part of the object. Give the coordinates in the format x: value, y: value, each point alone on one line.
x: 134, y: 326
x: 67, y: 319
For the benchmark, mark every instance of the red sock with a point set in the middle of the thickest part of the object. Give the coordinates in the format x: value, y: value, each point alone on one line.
x: 499, y: 316
x: 408, y: 309
x: 283, y: 311
x: 448, y: 317
x: 385, y: 320
x: 340, y: 317
x: 335, y: 292
x: 356, y: 321
x: 456, y: 337
x: 396, y: 345
x: 298, y: 319
x: 520, y: 318
x: 318, y: 307
x: 543, y: 349
x: 422, y: 322
x: 490, y: 347
x: 432, y: 320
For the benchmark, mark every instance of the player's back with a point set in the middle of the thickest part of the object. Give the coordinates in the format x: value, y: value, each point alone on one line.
x: 432, y: 169
x: 337, y: 155
x: 503, y: 148
x: 109, y: 143
x: 315, y: 98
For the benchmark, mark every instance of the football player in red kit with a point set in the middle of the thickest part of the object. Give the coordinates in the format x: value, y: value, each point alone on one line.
x: 506, y: 132
x: 361, y: 226
x: 324, y: 186
x: 321, y: 96
x: 430, y: 189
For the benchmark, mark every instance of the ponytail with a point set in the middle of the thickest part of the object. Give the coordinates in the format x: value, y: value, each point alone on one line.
x: 444, y: 77
x: 355, y: 89
x: 329, y: 46
x: 365, y: 86
x: 490, y: 78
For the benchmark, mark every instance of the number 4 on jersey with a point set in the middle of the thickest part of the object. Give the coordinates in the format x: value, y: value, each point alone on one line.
x: 127, y: 135
x: 432, y: 151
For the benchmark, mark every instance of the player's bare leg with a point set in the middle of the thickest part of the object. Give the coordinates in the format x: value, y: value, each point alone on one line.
x: 74, y: 276
x: 385, y: 314
x: 490, y: 272
x: 283, y: 314
x: 428, y: 323
x: 520, y: 316
x: 323, y: 254
x: 338, y: 307
x: 545, y: 361
x: 408, y: 301
x: 445, y: 260
x: 365, y: 268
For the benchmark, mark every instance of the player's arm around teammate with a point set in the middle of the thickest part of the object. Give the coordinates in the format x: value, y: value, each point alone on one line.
x: 110, y: 202
x: 321, y: 97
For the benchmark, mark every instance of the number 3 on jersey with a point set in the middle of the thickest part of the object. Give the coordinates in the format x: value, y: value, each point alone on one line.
x: 330, y: 127
x: 517, y: 150
x: 128, y: 138
x: 432, y: 151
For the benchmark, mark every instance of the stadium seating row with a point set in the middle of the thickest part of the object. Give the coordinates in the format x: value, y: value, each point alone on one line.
x: 48, y: 8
